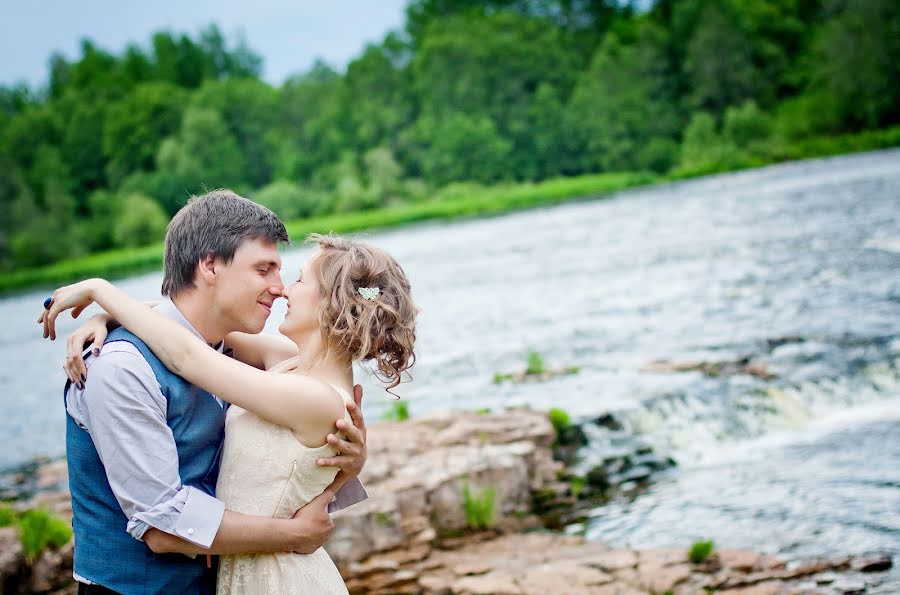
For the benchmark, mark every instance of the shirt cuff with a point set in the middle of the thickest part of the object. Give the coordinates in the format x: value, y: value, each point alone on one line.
x: 191, y: 514
x: 351, y: 493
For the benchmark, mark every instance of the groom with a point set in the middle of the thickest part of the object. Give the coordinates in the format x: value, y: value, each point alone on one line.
x: 143, y: 445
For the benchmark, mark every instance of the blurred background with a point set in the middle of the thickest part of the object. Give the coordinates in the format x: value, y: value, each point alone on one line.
x: 743, y: 326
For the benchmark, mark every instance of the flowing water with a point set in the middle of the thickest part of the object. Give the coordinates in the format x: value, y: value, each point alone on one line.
x: 795, y: 267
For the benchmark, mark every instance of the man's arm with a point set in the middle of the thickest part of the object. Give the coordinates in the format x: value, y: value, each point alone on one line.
x: 125, y: 413
x: 244, y: 534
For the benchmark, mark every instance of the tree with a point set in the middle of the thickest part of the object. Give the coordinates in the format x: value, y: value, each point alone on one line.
x: 290, y: 201
x: 141, y: 221
x: 718, y: 62
x: 489, y: 68
x: 460, y: 147
x: 622, y: 102
x: 858, y: 62
x: 249, y: 109
x: 204, y: 154
x: 136, y: 126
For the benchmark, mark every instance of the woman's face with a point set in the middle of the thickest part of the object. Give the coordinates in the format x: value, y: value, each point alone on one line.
x: 302, y: 302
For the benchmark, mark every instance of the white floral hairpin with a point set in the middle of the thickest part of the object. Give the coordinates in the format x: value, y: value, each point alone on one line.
x: 369, y: 293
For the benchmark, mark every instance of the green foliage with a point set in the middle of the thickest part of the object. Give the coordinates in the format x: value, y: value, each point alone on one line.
x: 40, y: 529
x: 439, y: 121
x: 535, y: 364
x: 398, y: 411
x: 700, y: 551
x: 291, y: 201
x: 479, y: 507
x: 141, y: 222
x: 463, y: 147
x: 560, y: 420
x: 746, y: 125
x: 577, y: 486
x: 7, y: 516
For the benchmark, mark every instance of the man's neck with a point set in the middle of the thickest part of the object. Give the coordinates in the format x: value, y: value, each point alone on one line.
x: 200, y: 314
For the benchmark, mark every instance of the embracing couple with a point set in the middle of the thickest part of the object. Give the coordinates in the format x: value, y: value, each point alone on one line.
x: 175, y: 491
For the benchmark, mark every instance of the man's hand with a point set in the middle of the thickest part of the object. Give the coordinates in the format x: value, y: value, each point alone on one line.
x: 351, y: 452
x: 312, y: 525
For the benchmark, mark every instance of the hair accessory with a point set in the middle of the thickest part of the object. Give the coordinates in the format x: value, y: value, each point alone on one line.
x: 368, y: 293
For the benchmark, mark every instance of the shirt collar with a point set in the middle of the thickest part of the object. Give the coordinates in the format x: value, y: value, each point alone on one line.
x: 168, y: 309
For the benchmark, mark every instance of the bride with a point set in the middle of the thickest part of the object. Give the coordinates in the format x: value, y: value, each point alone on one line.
x: 350, y: 302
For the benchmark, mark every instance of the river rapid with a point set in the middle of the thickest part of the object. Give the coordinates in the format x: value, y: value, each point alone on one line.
x: 795, y: 267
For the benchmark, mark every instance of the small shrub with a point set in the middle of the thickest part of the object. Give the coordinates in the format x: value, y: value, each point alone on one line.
x: 291, y: 201
x: 479, y: 507
x: 700, y: 551
x: 399, y: 411
x: 746, y: 124
x: 7, y: 516
x: 142, y: 222
x: 577, y: 486
x: 535, y: 364
x: 39, y: 529
x: 560, y: 420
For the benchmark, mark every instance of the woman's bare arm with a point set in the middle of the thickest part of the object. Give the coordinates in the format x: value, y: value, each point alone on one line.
x: 261, y: 350
x: 306, y: 405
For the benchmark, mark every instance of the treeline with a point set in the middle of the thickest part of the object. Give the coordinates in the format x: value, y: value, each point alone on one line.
x: 468, y: 93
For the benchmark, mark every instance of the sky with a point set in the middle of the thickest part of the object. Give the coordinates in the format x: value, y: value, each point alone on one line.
x: 289, y: 35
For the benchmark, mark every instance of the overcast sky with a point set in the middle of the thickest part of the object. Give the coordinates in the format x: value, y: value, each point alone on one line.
x: 289, y: 35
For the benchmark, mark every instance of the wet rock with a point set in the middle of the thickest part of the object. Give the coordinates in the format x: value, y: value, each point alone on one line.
x: 873, y: 564
x: 713, y: 369
x: 11, y: 558
x: 411, y: 535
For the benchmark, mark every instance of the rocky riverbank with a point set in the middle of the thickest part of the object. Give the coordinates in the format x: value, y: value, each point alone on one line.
x: 459, y: 503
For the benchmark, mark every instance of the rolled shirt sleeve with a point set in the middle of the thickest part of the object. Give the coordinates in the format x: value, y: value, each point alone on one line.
x: 124, y: 411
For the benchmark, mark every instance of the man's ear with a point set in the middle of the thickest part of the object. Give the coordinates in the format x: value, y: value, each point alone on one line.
x: 207, y: 268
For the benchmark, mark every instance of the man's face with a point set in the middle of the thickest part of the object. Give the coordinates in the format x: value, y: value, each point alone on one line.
x: 247, y: 286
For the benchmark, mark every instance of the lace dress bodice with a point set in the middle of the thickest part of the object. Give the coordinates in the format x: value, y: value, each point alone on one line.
x: 266, y: 471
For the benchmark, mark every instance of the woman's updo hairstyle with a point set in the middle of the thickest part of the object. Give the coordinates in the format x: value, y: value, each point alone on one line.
x: 383, y: 329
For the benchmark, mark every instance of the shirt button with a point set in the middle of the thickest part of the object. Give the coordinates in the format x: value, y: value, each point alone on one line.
x: 190, y: 531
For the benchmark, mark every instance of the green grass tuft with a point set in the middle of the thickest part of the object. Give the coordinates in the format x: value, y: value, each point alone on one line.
x: 560, y: 420
x: 479, y: 507
x: 40, y: 529
x: 700, y: 551
x: 7, y: 516
x: 535, y: 364
x: 399, y: 411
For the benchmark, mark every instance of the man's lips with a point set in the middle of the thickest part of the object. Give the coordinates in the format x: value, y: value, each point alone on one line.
x: 268, y: 307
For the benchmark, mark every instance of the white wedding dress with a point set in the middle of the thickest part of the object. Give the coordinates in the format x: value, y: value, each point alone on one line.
x: 265, y: 471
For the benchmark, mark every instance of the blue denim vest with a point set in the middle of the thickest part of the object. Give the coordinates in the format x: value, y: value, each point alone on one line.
x: 104, y: 552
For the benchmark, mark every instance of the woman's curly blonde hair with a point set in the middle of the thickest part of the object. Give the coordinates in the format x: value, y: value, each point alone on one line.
x: 383, y: 329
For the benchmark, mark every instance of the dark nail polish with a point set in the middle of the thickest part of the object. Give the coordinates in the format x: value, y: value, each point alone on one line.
x: 83, y: 379
x: 96, y: 352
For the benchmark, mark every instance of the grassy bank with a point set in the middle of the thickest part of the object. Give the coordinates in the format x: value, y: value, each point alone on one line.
x: 470, y: 202
x: 478, y: 202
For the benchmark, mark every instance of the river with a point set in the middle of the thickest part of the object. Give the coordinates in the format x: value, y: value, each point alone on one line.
x: 795, y: 266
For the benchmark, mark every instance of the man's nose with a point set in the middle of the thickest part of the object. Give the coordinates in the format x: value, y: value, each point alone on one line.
x: 277, y: 289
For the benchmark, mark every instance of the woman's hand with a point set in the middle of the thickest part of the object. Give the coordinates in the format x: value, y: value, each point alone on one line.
x: 76, y: 297
x: 95, y: 331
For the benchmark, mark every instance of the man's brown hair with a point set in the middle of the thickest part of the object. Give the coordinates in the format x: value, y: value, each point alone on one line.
x: 215, y: 223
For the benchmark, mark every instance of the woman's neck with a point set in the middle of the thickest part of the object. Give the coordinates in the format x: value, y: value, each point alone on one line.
x: 325, y: 367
